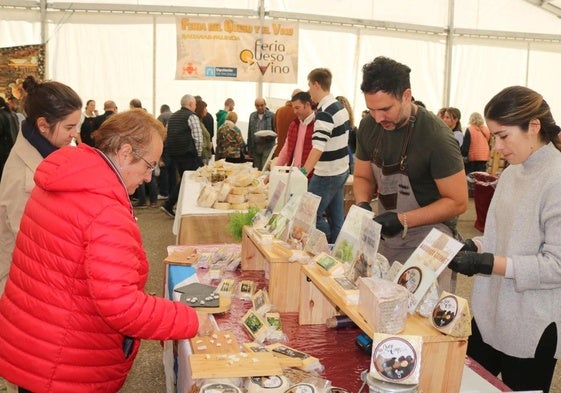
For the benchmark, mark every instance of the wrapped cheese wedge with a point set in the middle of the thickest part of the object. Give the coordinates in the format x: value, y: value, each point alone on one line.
x: 225, y: 189
x: 221, y: 205
x: 236, y: 190
x: 452, y: 316
x: 207, y: 197
x: 242, y: 178
x: 256, y: 197
x: 233, y: 198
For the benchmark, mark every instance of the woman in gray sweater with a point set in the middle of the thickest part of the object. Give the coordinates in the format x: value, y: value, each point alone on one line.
x: 517, y: 292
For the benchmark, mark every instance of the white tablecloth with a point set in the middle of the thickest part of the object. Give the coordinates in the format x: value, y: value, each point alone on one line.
x: 187, y: 201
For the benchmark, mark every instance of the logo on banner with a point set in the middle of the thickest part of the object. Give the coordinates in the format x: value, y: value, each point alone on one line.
x: 265, y: 56
x: 189, y: 69
x: 221, y: 72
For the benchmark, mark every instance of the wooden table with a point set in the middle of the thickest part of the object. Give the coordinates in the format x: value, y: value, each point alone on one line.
x: 442, y: 358
x: 284, y: 291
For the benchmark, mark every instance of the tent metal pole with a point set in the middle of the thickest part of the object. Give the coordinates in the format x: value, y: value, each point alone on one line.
x: 154, y: 74
x: 357, y: 71
x: 527, y: 76
x: 43, y: 13
x: 261, y: 12
x: 448, y: 55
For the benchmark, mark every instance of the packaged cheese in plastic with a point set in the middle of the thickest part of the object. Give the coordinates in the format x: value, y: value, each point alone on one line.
x: 383, y: 304
x: 396, y: 359
x: 452, y: 316
x: 207, y: 197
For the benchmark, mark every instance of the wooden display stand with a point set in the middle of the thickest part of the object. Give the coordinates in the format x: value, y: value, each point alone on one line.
x: 442, y: 356
x: 313, y: 308
x: 284, y: 291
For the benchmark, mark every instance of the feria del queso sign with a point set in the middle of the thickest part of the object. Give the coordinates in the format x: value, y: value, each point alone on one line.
x: 236, y: 49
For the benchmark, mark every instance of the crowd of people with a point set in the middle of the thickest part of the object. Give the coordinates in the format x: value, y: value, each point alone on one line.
x: 72, y: 258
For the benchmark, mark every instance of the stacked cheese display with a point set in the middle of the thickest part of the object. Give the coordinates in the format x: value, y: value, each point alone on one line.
x: 239, y: 187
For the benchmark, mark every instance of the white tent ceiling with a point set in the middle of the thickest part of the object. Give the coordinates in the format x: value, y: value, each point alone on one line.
x: 461, y: 52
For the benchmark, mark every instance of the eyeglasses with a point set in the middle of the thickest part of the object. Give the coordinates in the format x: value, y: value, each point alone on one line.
x: 149, y: 167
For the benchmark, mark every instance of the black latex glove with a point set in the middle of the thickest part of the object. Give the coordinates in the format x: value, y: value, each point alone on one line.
x: 469, y: 245
x: 365, y: 206
x: 390, y: 223
x: 470, y: 263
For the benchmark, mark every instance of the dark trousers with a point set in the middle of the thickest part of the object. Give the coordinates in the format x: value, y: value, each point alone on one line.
x: 518, y: 374
x: 181, y: 164
x: 166, y: 180
x: 22, y: 390
x: 148, y: 188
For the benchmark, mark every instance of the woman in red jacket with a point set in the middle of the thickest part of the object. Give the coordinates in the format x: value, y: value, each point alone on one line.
x: 74, y: 309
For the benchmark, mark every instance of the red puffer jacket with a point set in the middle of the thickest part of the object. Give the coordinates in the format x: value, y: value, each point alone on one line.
x: 76, y: 285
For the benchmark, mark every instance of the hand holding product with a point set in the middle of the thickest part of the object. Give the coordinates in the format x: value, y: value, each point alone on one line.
x: 470, y: 263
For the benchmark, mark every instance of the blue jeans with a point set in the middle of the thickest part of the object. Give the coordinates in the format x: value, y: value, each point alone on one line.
x: 331, y: 191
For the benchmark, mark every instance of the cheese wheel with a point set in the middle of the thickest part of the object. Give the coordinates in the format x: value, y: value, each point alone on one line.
x: 258, y: 204
x: 221, y: 205
x: 219, y: 388
x: 233, y: 198
x: 257, y: 189
x: 256, y: 197
x: 239, y: 206
x: 238, y: 190
x: 270, y: 384
x: 301, y: 387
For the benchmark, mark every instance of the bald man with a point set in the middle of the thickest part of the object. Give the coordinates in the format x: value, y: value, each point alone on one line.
x: 110, y: 108
x: 260, y: 147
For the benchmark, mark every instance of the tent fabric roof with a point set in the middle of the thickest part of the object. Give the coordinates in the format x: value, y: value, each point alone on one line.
x: 461, y: 52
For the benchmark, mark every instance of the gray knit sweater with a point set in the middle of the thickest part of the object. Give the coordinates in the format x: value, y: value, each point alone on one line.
x: 523, y: 223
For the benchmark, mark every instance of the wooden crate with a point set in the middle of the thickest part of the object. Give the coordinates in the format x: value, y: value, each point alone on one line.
x: 252, y: 257
x: 284, y: 291
x: 442, y: 358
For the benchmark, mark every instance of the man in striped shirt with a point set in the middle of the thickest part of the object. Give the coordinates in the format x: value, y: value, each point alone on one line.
x: 329, y: 157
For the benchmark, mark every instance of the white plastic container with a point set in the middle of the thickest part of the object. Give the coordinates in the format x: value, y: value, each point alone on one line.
x: 296, y: 183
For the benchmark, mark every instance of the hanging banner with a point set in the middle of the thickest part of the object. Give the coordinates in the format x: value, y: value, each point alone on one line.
x: 16, y: 63
x: 237, y: 49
